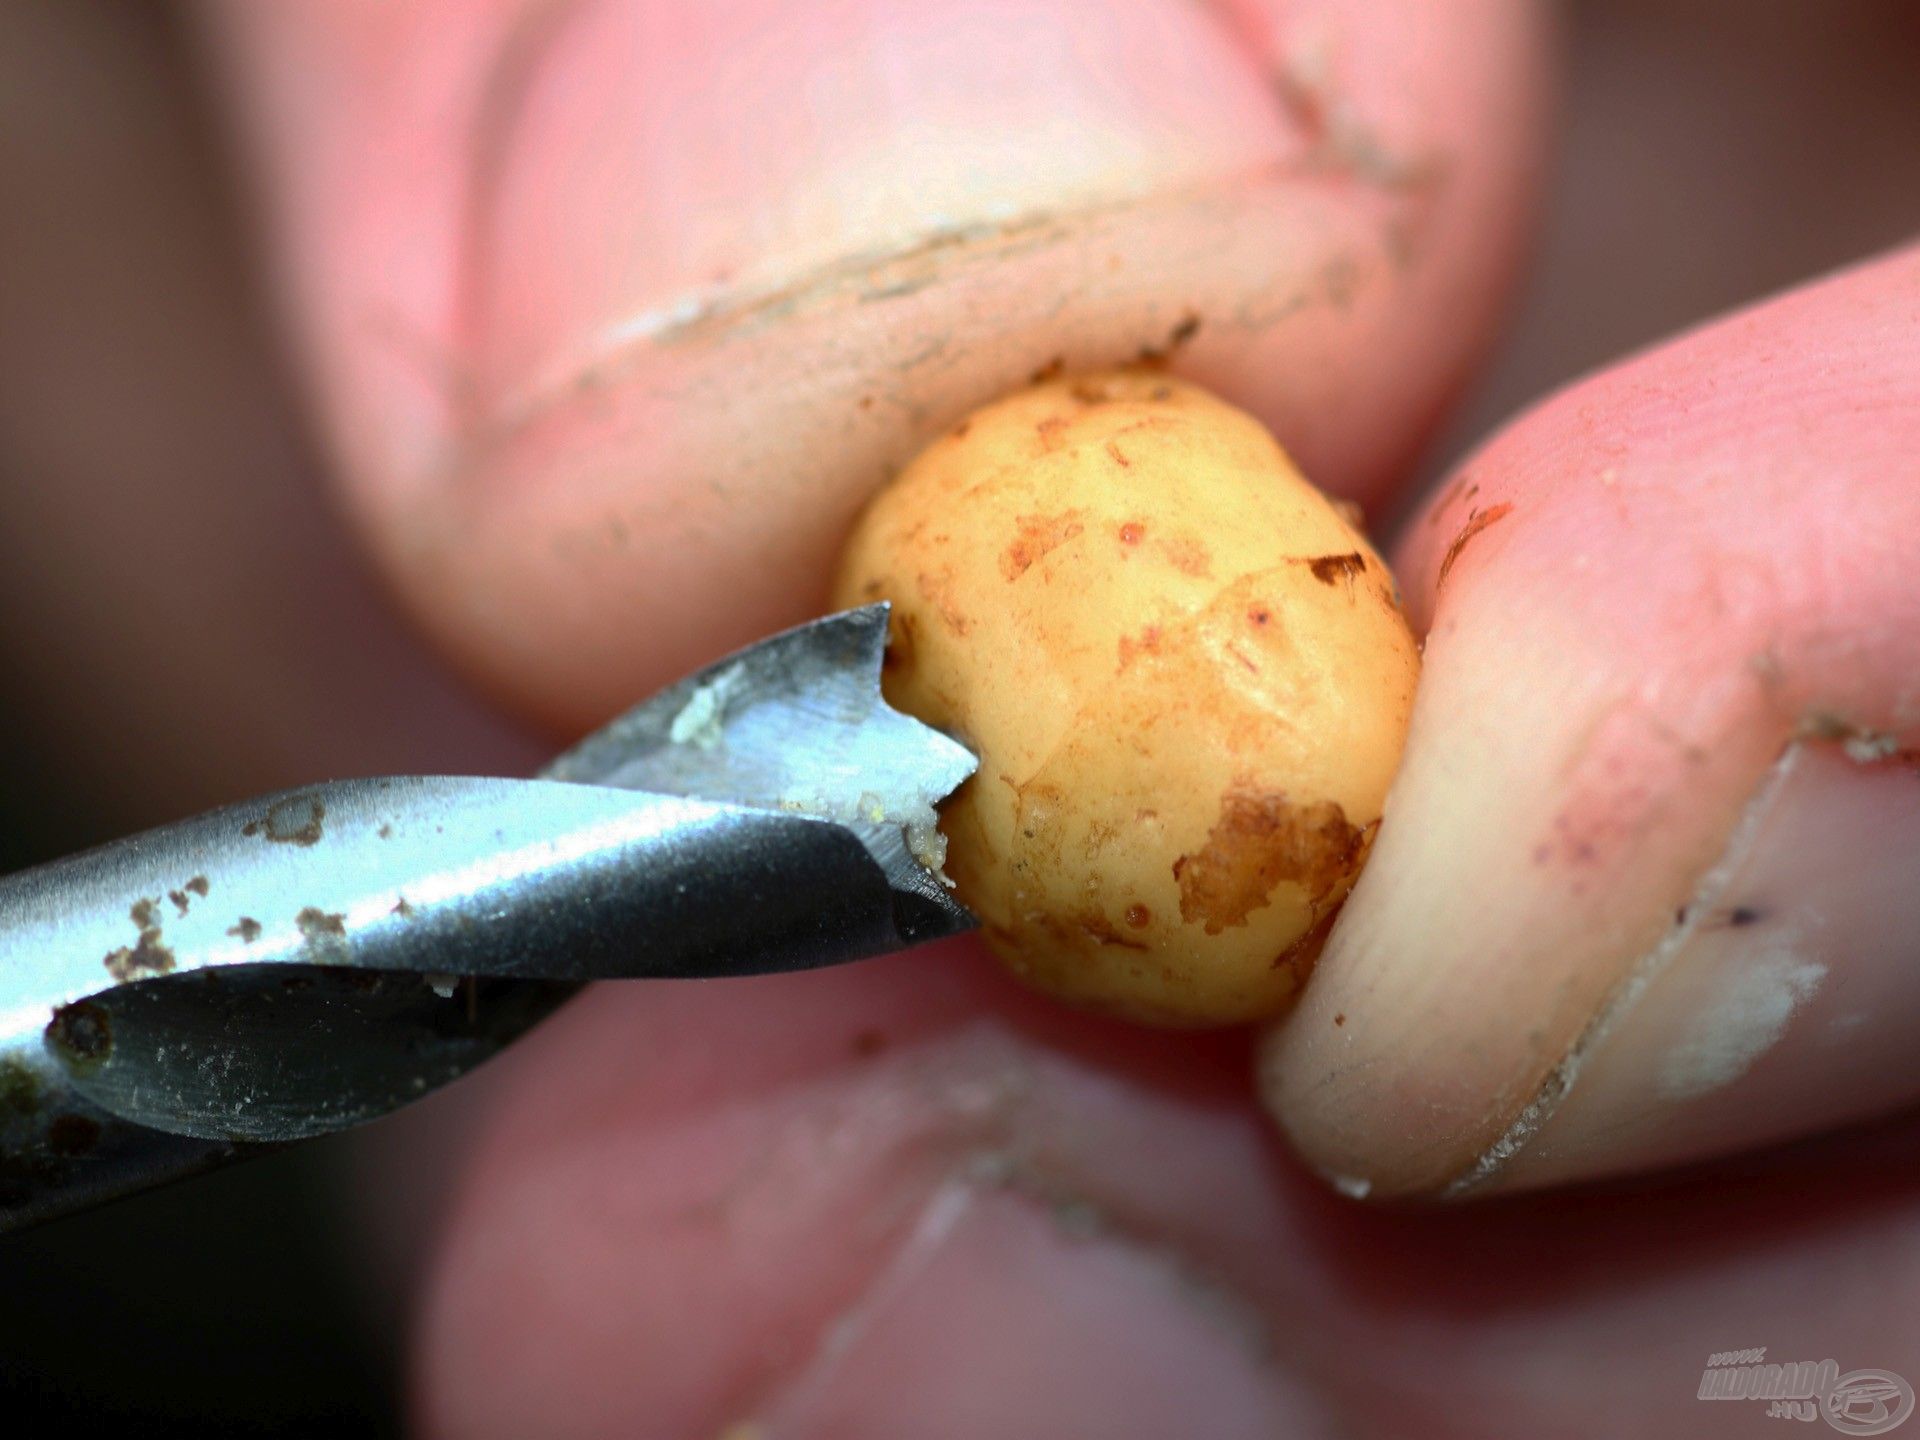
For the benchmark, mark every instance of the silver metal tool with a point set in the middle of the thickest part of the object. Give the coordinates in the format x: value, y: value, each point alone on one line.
x: 308, y: 961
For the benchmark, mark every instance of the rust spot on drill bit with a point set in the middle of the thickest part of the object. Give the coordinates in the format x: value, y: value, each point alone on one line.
x: 146, y: 956
x: 297, y: 820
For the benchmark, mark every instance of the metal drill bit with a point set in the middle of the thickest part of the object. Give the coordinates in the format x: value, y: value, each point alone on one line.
x: 309, y: 961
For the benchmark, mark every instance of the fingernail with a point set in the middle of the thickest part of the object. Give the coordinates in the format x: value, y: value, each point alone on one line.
x: 1785, y: 999
x: 1004, y: 1314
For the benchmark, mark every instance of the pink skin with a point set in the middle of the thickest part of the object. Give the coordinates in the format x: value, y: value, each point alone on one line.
x: 1677, y: 568
x: 785, y: 1208
x: 704, y: 276
x: 906, y: 1198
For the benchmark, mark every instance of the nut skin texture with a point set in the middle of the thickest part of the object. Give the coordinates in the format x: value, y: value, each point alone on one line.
x: 1186, y: 674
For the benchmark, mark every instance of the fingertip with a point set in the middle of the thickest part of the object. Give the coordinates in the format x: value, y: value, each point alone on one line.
x: 1636, y: 599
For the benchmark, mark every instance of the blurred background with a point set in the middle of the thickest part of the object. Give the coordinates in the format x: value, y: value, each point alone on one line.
x: 204, y: 630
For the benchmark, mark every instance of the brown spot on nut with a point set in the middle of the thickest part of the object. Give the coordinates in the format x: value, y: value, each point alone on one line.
x: 1037, y: 536
x: 1139, y: 917
x: 1132, y: 533
x: 936, y: 587
x: 1261, y: 841
x: 1189, y: 557
x: 1147, y: 642
x: 1119, y: 455
x: 1332, y: 569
